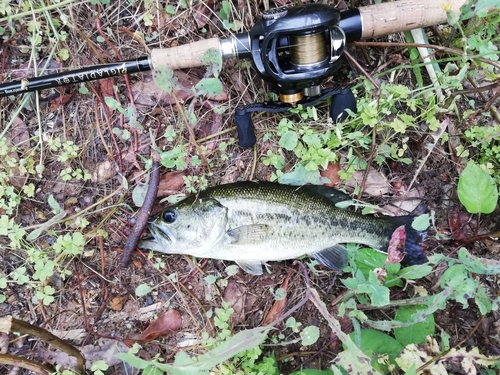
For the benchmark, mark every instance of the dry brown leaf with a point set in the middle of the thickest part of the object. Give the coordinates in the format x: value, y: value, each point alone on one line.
x: 170, y: 183
x: 332, y: 173
x: 147, y: 93
x: 18, y: 136
x: 278, y: 307
x: 60, y: 101
x: 202, y: 12
x: 408, y: 202
x: 103, y: 171
x: 458, y: 220
x: 106, y: 87
x: 116, y: 304
x: 165, y: 324
x: 376, y: 183
x: 235, y: 294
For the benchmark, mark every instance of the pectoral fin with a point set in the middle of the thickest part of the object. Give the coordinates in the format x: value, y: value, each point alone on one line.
x: 334, y: 257
x: 253, y: 267
x: 250, y: 234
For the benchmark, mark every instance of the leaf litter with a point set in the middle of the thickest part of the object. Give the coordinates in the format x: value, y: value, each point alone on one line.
x: 247, y: 297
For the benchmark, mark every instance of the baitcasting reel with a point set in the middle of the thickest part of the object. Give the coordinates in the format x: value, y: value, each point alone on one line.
x: 294, y: 50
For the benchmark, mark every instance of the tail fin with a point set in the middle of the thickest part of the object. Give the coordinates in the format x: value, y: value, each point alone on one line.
x: 413, y: 245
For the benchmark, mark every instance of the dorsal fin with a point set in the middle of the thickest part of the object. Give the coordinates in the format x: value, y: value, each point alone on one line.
x: 332, y: 194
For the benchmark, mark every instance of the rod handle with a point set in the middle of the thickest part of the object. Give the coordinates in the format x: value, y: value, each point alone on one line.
x: 387, y: 18
x: 185, y: 56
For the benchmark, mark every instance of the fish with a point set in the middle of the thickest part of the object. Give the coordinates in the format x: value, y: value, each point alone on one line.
x: 252, y: 223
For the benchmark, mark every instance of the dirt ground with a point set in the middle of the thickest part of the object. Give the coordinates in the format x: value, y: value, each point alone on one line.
x: 96, y: 306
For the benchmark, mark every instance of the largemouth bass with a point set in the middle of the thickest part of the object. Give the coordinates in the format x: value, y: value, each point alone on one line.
x: 252, y: 223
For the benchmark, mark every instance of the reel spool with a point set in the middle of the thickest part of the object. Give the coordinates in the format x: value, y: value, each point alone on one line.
x: 295, y: 49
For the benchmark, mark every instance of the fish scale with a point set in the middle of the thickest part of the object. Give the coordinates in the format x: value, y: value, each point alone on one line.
x: 252, y: 223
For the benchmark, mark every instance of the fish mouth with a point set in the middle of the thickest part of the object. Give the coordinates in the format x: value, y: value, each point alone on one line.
x: 160, y: 238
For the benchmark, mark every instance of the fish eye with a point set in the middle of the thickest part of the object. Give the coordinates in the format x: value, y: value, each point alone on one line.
x: 169, y: 216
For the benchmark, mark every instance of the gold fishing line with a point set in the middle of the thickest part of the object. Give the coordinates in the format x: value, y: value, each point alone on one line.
x: 308, y: 49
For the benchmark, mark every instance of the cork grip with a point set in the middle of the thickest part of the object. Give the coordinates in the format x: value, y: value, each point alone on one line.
x: 185, y: 56
x: 391, y: 17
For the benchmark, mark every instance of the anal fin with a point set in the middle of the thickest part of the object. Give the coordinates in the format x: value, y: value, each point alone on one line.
x: 253, y: 267
x: 335, y: 257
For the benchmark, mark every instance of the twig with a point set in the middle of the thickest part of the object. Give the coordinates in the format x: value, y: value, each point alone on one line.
x: 452, y: 51
x: 9, y: 324
x: 436, y: 136
x: 28, y: 364
x: 365, y: 73
x: 145, y: 211
x: 108, y: 122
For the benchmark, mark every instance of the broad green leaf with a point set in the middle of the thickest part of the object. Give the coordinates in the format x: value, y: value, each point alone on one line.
x: 289, y: 140
x: 213, y: 60
x: 376, y: 344
x: 416, y: 333
x: 309, y: 335
x: 477, y: 190
x: 415, y: 272
x: 301, y: 176
x: 478, y: 265
x: 164, y: 79
x: 367, y: 260
x: 379, y: 294
x: 115, y: 105
x: 210, y: 86
x: 463, y: 286
x: 421, y: 222
x: 142, y: 290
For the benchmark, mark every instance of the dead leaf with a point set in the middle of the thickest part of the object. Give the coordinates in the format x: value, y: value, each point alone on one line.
x: 147, y: 93
x: 408, y: 202
x: 116, y: 304
x: 73, y: 335
x: 60, y: 101
x: 165, y: 324
x: 458, y: 220
x: 170, y: 183
x: 18, y: 137
x: 103, y: 171
x: 202, y: 12
x: 4, y: 342
x: 332, y: 173
x: 278, y: 306
x: 26, y: 69
x: 106, y: 87
x: 235, y: 294
x: 376, y: 183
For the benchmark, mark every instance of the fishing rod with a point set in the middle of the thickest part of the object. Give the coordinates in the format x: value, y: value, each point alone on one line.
x: 294, y: 49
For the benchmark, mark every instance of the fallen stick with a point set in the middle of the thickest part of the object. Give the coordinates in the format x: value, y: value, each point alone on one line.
x: 145, y: 211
